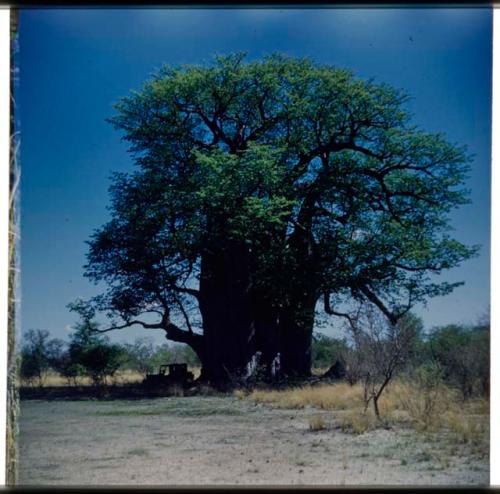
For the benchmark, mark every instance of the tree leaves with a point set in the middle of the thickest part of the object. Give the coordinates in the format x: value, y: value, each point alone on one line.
x: 320, y: 174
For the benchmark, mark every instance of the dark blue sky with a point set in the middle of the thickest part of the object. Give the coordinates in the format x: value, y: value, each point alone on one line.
x: 74, y: 64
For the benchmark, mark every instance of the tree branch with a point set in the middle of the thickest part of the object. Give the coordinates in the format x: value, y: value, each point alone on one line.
x: 328, y: 309
x: 130, y: 323
x: 190, y: 291
x: 184, y: 314
x: 174, y: 333
x: 376, y: 301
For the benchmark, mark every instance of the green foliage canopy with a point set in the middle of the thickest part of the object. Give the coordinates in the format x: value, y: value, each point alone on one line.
x: 93, y: 353
x: 321, y: 174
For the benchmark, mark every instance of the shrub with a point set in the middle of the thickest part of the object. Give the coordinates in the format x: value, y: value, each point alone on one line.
x: 425, y: 398
x: 60, y: 360
x: 94, y: 353
x: 383, y: 349
x: 463, y: 354
x: 326, y: 350
x: 34, y: 360
x: 173, y: 354
x: 138, y: 355
x: 30, y: 369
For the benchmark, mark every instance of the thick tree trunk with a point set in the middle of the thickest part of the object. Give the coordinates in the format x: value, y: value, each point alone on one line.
x: 296, y: 319
x: 240, y: 319
x: 296, y: 324
x: 267, y: 335
x: 225, y: 306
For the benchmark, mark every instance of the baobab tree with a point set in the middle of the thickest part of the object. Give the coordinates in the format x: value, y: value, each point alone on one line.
x: 260, y: 189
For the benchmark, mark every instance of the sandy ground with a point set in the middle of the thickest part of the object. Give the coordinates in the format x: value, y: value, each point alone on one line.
x: 223, y: 440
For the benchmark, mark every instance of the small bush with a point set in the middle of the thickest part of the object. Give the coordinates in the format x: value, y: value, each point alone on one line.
x: 426, y: 398
x: 464, y: 355
x: 34, y: 356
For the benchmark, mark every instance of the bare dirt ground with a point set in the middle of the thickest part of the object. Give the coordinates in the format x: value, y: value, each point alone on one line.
x: 223, y: 440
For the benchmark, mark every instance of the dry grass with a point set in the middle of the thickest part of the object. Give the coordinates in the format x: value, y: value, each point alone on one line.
x: 319, y: 371
x: 317, y: 423
x: 424, y: 407
x: 326, y: 397
x: 443, y: 409
x: 240, y: 394
x: 476, y: 406
x: 358, y: 422
x: 120, y: 377
x: 439, y: 409
x: 467, y: 428
x: 340, y: 396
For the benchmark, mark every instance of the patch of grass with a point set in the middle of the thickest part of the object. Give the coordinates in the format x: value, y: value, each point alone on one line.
x: 104, y: 467
x: 466, y: 429
x: 423, y: 456
x: 188, y: 407
x: 317, y: 423
x: 477, y: 406
x: 50, y: 478
x: 339, y: 396
x: 387, y: 453
x: 138, y: 452
x: 357, y: 422
x: 120, y: 377
x: 206, y: 411
x: 50, y: 466
x: 425, y: 407
x: 105, y: 458
x: 344, y: 460
x: 163, y: 445
x: 300, y: 462
x: 444, y: 462
x: 240, y: 394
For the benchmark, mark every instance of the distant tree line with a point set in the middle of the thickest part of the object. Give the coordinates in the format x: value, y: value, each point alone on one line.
x: 91, y: 355
x: 372, y: 353
x: 455, y: 355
